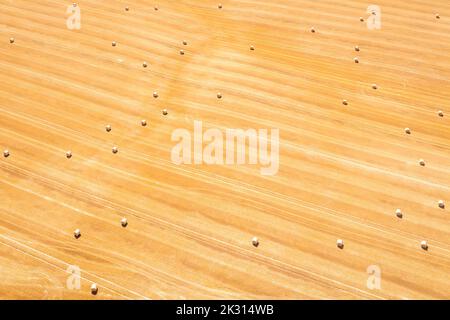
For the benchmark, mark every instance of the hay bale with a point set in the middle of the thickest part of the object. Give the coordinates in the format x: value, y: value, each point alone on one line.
x: 424, y: 245
x: 255, y: 241
x: 94, y: 289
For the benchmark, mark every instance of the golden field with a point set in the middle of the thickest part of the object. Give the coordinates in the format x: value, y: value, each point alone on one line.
x: 344, y: 169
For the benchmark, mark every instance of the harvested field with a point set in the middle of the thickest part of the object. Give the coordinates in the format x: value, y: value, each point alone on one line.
x: 88, y: 182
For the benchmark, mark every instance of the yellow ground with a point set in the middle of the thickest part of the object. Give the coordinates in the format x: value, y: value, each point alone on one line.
x: 344, y: 169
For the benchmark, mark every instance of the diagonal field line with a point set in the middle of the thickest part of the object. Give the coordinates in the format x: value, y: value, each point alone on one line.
x: 64, y: 263
x: 310, y: 274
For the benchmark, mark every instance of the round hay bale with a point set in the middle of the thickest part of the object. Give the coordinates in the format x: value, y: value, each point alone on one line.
x: 94, y: 289
x: 424, y: 245
x: 255, y: 241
